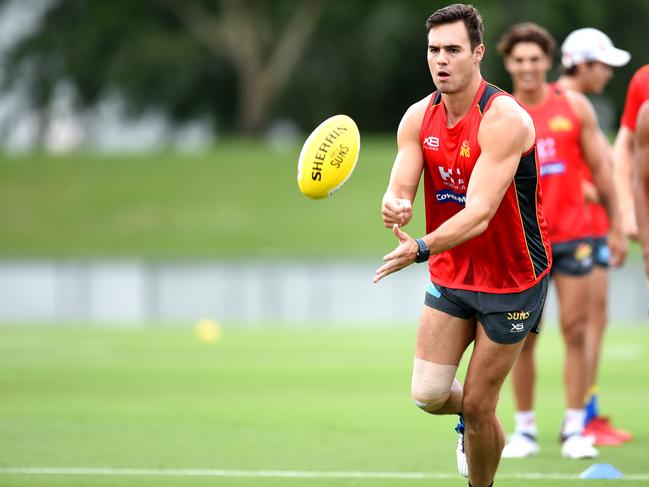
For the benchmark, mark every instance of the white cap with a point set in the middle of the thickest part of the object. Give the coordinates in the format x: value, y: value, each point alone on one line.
x: 588, y: 44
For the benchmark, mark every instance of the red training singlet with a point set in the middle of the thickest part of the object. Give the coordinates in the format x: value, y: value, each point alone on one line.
x: 636, y: 95
x: 513, y: 253
x: 558, y: 131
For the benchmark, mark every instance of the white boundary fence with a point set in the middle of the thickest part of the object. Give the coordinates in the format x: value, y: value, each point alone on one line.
x: 304, y: 292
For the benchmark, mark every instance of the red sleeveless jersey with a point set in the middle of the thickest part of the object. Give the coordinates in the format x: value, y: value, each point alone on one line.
x: 636, y: 95
x: 558, y: 132
x: 513, y: 253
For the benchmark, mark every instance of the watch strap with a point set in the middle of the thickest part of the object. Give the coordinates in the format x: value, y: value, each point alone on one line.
x: 423, y: 253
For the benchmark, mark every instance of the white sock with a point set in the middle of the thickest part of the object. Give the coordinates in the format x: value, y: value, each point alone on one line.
x: 573, y: 422
x: 525, y: 423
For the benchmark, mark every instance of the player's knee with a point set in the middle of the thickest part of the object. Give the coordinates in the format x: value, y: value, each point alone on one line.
x: 476, y: 410
x: 574, y: 320
x: 430, y: 400
x: 431, y: 384
x: 574, y: 334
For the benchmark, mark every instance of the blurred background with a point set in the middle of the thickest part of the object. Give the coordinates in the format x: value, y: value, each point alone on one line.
x: 168, y: 297
x: 134, y: 74
x: 149, y: 152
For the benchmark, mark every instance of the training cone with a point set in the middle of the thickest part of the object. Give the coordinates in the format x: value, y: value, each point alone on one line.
x: 601, y: 471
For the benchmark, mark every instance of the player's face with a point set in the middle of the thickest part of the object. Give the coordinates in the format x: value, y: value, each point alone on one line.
x: 451, y: 61
x: 528, y: 66
x: 596, y: 75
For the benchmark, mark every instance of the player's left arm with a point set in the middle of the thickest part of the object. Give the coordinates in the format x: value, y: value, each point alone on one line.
x: 641, y: 181
x: 598, y: 162
x: 589, y: 189
x: 506, y: 131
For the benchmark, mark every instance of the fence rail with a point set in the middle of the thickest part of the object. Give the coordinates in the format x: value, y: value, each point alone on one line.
x: 132, y: 291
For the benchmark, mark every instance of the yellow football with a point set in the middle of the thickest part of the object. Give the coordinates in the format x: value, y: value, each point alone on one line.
x: 328, y: 157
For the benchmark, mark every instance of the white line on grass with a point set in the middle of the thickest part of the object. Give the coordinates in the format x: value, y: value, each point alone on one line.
x: 199, y: 472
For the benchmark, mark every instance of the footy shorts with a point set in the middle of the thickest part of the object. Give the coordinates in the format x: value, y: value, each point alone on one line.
x: 600, y: 252
x: 573, y: 258
x: 505, y: 318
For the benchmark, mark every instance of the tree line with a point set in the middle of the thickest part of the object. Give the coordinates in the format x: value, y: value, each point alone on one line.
x: 245, y: 63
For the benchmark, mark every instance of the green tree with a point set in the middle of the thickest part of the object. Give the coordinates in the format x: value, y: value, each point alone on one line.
x: 245, y: 62
x: 263, y: 52
x: 187, y: 57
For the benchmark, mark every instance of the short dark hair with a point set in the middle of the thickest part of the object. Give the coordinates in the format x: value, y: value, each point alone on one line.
x: 459, y: 12
x: 572, y: 70
x: 526, y: 32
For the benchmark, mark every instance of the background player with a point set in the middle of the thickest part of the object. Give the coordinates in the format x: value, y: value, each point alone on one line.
x: 641, y: 186
x: 486, y: 235
x: 624, y: 148
x: 566, y: 137
x: 588, y: 57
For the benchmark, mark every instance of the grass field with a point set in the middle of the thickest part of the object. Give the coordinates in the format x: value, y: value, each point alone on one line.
x: 240, y: 199
x: 268, y: 399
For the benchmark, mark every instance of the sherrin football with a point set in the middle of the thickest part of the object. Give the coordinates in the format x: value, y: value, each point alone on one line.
x: 328, y: 157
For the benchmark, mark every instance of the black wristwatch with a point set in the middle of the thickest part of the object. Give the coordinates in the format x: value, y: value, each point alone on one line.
x: 423, y: 253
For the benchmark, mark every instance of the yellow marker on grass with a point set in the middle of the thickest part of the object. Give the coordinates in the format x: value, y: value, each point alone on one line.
x: 208, y: 330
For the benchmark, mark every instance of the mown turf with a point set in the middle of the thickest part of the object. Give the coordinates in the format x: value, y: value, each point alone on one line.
x: 237, y: 201
x: 271, y: 398
x: 240, y: 199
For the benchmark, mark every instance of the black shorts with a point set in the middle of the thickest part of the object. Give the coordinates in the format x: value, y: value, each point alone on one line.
x: 600, y: 252
x: 505, y: 318
x: 573, y: 258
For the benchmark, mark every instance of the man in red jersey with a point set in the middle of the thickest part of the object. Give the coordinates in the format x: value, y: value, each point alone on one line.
x: 567, y: 138
x: 588, y: 57
x: 623, y: 151
x: 486, y: 244
x: 641, y: 165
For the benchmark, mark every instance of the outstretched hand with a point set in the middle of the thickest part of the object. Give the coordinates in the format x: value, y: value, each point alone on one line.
x: 401, y: 257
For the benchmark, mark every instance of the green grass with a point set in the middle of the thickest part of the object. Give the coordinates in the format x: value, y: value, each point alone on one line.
x: 238, y: 200
x: 271, y: 398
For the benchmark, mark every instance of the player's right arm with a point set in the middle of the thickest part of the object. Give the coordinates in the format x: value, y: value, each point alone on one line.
x: 622, y: 177
x: 591, y: 146
x: 641, y: 181
x: 406, y: 171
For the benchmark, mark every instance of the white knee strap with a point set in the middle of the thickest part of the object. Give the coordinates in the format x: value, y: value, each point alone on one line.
x: 431, y: 383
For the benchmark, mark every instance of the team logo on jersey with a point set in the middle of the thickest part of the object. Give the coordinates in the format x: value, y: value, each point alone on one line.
x: 550, y: 168
x: 465, y: 150
x: 431, y: 143
x: 546, y: 148
x: 559, y: 123
x: 452, y: 181
x: 448, y: 196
